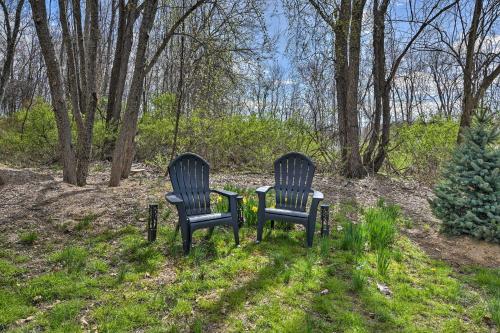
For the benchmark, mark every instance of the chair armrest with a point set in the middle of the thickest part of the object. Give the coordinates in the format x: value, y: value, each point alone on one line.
x: 173, y: 199
x: 318, y: 195
x: 264, y: 189
x: 224, y: 193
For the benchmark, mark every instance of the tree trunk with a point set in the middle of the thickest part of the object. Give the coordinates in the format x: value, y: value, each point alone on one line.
x: 109, y: 42
x: 126, y: 21
x: 12, y: 36
x: 347, y: 54
x: 468, y: 101
x: 379, y: 72
x: 56, y: 90
x: 85, y: 137
x: 127, y: 17
x: 123, y: 152
x: 180, y: 90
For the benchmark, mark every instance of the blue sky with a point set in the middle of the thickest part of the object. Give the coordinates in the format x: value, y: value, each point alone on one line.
x: 277, y: 24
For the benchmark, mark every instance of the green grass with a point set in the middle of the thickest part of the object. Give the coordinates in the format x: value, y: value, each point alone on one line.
x: 85, y: 222
x: 73, y: 258
x: 28, y: 238
x: 118, y: 282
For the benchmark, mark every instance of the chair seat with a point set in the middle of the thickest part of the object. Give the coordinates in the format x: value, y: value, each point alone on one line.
x: 209, y: 217
x: 286, y: 212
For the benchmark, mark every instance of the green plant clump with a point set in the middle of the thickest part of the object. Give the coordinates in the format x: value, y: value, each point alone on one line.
x: 353, y: 238
x: 468, y: 198
x: 381, y: 227
x: 28, y: 238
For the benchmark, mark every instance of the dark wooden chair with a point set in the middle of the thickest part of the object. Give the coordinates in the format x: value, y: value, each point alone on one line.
x: 293, y: 174
x: 191, y: 195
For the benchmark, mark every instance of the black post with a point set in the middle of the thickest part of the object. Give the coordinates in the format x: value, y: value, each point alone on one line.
x: 239, y: 200
x: 152, y: 222
x: 325, y: 224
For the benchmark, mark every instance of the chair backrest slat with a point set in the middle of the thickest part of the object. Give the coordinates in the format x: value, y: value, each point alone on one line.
x: 189, y: 174
x: 293, y: 175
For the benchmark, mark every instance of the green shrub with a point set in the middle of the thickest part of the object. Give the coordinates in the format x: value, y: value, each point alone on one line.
x: 468, y: 198
x: 420, y: 149
x: 229, y: 141
x: 30, y: 136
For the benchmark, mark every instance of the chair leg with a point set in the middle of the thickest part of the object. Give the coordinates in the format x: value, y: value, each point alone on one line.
x: 236, y: 231
x: 310, y: 233
x: 210, y: 232
x: 177, y: 227
x: 260, y: 227
x: 272, y: 224
x: 186, y: 239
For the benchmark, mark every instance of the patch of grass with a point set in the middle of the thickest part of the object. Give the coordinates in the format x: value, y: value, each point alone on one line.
x: 353, y: 238
x: 383, y: 261
x: 123, y: 283
x: 358, y: 280
x: 9, y: 272
x: 12, y: 307
x: 85, y: 222
x: 489, y: 280
x: 63, y: 317
x: 28, y: 238
x: 128, y: 312
x: 73, y: 258
x: 97, y: 266
x: 58, y: 285
x: 143, y: 256
x: 381, y: 227
x: 494, y: 306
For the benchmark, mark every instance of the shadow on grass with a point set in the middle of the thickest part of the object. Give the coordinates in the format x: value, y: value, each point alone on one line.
x: 282, y: 251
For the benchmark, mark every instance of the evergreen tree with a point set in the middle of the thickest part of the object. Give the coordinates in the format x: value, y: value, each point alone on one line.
x: 468, y: 198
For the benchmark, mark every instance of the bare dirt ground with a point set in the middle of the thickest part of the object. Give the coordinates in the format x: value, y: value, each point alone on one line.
x: 38, y: 200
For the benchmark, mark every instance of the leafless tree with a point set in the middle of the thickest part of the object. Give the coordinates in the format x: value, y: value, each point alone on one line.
x: 12, y: 32
x: 376, y: 151
x: 346, y: 22
x: 124, y: 149
x: 80, y: 45
x: 469, y: 35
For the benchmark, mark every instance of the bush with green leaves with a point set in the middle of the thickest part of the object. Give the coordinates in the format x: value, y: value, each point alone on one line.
x: 227, y: 141
x: 30, y: 136
x: 468, y: 198
x: 421, y: 148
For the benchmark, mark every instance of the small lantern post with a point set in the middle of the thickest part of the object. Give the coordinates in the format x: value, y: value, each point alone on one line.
x: 325, y: 223
x: 239, y: 201
x: 152, y: 222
